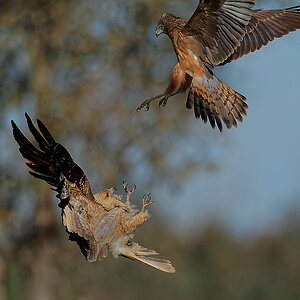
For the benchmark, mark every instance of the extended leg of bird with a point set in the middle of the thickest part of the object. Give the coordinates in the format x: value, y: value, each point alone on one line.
x: 162, y: 102
x: 146, y: 202
x: 139, y: 218
x: 147, y: 102
x: 128, y: 192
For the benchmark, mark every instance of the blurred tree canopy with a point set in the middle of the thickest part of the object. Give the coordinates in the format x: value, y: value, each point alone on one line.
x: 82, y: 67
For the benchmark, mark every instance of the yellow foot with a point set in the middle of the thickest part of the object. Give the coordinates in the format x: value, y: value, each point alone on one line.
x: 146, y: 201
x: 128, y: 192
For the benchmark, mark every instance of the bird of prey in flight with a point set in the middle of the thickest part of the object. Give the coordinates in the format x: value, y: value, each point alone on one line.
x: 99, y: 222
x: 218, y: 32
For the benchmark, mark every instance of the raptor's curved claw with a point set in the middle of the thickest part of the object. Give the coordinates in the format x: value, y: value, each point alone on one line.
x: 163, y: 102
x: 125, y: 186
x: 145, y: 104
x: 146, y: 200
x: 128, y: 192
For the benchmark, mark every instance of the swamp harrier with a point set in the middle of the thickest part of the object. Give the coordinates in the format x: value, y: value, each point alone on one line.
x: 218, y: 32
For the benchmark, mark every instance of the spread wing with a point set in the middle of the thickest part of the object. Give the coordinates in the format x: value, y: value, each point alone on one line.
x: 53, y: 164
x: 218, y: 26
x: 264, y: 27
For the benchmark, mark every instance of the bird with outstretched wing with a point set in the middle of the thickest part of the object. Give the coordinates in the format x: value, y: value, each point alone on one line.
x: 99, y: 222
x: 218, y: 32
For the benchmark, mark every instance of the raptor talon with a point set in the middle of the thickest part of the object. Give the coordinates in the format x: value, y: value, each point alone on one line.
x: 163, y: 102
x: 146, y: 201
x: 125, y: 186
x: 147, y: 102
x: 128, y: 192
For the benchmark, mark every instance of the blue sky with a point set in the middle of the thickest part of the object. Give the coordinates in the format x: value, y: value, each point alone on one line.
x: 257, y: 185
x: 258, y: 182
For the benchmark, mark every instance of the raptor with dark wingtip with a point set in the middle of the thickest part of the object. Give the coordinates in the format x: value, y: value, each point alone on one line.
x: 218, y: 32
x: 99, y: 222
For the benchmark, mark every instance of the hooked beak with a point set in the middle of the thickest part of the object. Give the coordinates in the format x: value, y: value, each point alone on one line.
x: 158, y: 31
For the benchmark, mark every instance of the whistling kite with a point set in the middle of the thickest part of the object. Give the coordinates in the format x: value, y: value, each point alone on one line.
x: 96, y: 222
x: 218, y: 32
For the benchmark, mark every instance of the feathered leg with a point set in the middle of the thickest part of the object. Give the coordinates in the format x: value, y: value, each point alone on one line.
x: 128, y: 193
x: 178, y: 83
x: 139, y: 218
x: 162, y: 102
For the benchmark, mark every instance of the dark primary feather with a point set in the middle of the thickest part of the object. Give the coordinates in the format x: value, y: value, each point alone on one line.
x: 53, y: 164
x: 264, y: 27
x: 51, y: 160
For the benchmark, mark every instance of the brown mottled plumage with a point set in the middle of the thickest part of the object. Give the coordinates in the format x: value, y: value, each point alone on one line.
x: 218, y: 32
x: 96, y: 222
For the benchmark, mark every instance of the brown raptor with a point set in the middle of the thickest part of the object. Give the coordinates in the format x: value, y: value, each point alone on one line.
x: 99, y: 222
x: 218, y: 32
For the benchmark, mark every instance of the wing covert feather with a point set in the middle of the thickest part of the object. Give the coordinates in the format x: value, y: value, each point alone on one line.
x: 218, y: 27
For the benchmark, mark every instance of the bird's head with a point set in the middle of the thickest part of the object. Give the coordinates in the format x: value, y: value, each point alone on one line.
x: 161, y: 25
x: 168, y: 23
x: 106, y: 193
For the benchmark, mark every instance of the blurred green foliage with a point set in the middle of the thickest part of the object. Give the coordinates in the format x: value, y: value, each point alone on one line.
x: 82, y: 67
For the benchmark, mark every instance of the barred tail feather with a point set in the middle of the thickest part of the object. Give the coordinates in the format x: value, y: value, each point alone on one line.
x: 157, y: 263
x: 134, y: 251
x: 213, y: 100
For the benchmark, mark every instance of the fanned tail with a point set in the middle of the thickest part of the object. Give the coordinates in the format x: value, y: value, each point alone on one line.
x: 213, y: 100
x: 157, y: 263
x: 138, y: 253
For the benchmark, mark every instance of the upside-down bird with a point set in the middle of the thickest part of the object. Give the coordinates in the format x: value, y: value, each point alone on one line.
x: 96, y: 222
x: 218, y: 32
